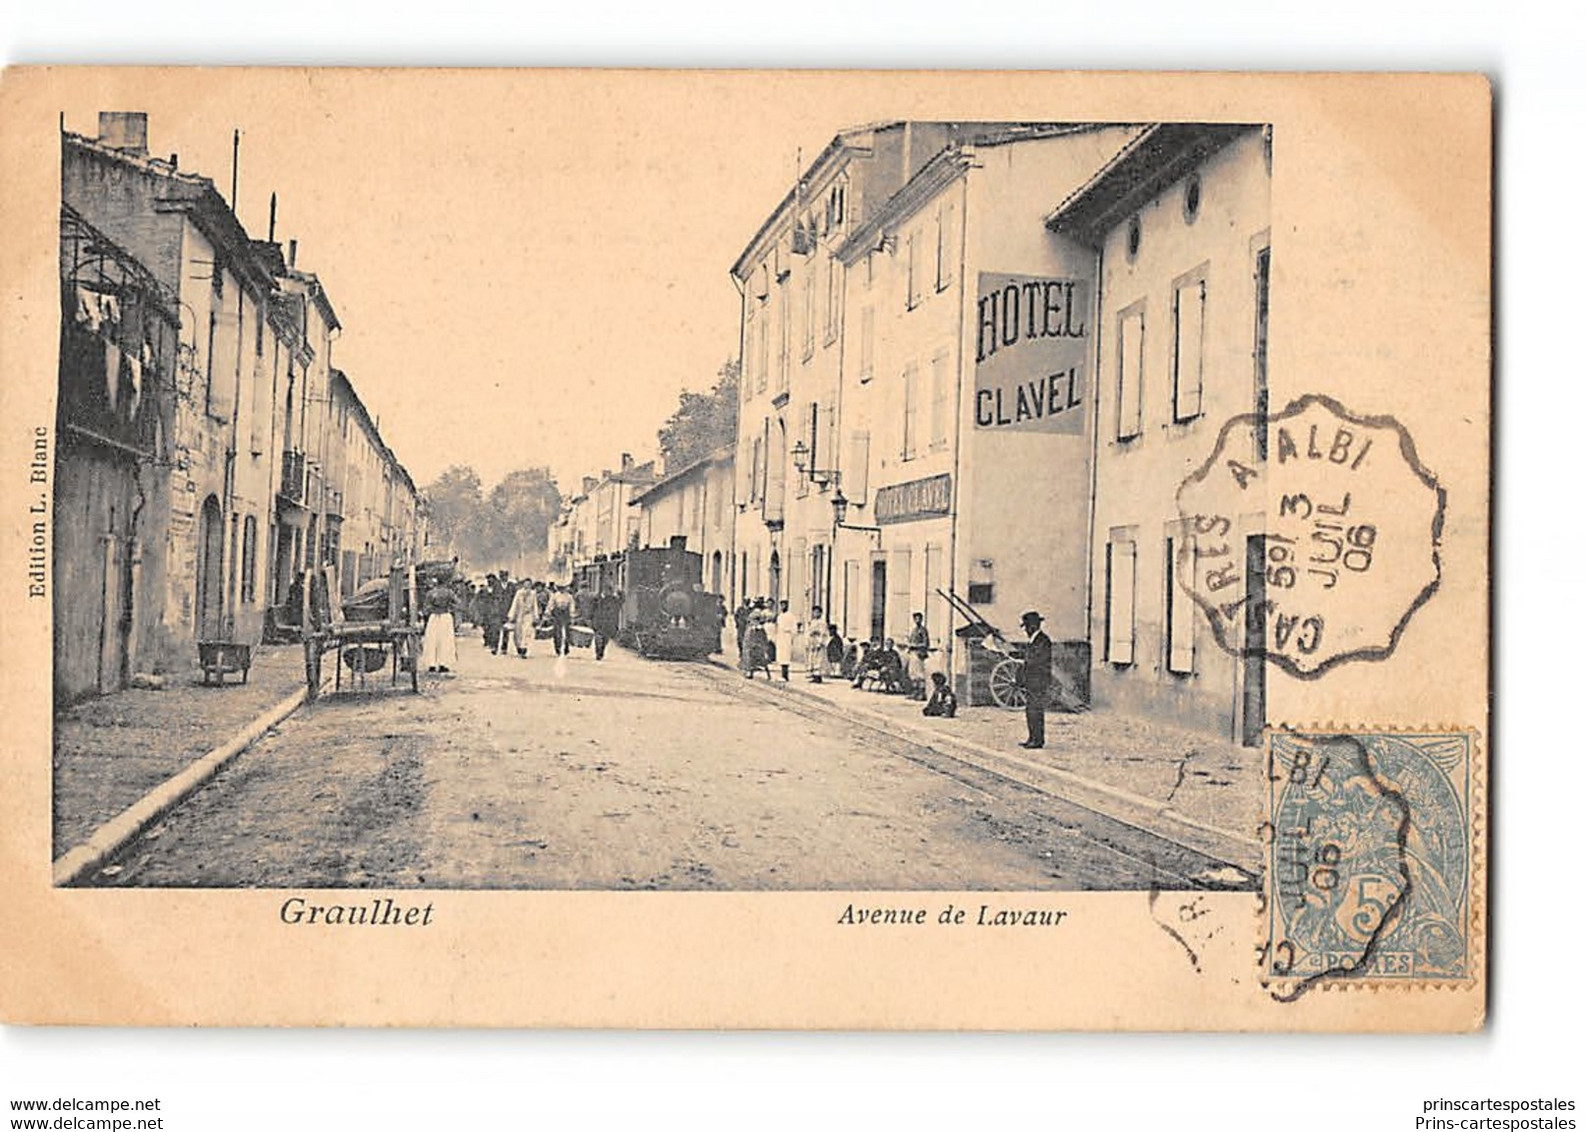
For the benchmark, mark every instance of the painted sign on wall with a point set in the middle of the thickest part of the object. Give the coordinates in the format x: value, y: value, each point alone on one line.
x: 1032, y: 336
x: 917, y: 499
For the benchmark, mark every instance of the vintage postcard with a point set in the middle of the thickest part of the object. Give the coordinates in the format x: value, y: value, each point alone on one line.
x: 745, y: 549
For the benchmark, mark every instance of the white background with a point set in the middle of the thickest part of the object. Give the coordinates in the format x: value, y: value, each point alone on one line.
x: 247, y: 1080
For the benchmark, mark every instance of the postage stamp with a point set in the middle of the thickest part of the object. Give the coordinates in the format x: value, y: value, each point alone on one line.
x: 1371, y: 856
x: 1350, y: 552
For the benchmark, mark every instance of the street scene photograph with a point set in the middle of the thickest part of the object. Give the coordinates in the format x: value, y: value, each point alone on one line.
x: 774, y: 503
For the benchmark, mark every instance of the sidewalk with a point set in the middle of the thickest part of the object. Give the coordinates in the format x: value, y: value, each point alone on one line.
x: 111, y: 750
x: 1190, y: 788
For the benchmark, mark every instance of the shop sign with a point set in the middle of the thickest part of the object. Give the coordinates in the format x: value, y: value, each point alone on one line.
x: 917, y: 499
x: 1032, y: 336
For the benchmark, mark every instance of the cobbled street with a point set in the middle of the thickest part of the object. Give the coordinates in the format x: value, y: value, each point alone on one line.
x: 623, y: 774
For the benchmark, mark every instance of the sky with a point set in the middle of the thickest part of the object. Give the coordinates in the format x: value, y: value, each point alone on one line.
x: 528, y: 268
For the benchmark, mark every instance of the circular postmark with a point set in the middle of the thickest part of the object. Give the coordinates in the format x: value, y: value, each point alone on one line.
x: 1310, y: 538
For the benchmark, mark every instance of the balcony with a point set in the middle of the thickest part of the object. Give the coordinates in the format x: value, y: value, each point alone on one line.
x: 293, y: 476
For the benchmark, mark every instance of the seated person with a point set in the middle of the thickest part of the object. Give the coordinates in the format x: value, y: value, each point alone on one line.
x: 860, y: 662
x: 942, y: 702
x: 889, y: 668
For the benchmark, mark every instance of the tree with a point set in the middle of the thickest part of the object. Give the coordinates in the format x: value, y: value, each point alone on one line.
x: 518, y: 516
x: 703, y: 422
x: 456, y: 499
x: 508, y: 527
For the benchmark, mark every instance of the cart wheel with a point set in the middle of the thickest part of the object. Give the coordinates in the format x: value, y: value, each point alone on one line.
x: 1007, y: 684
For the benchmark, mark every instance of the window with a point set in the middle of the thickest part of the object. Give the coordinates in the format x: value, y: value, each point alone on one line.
x: 784, y: 332
x: 809, y: 313
x: 757, y: 469
x: 258, y: 331
x: 1180, y: 611
x: 250, y: 565
x: 856, y: 476
x: 834, y: 299
x: 946, y: 243
x: 762, y: 364
x: 751, y: 336
x: 982, y: 585
x: 1131, y: 370
x: 1189, y: 317
x: 1120, y: 600
x: 867, y: 343
x: 209, y: 368
x: 941, y: 400
x: 911, y: 273
x: 911, y: 411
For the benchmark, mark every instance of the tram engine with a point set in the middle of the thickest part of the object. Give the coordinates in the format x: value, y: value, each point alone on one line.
x: 665, y: 609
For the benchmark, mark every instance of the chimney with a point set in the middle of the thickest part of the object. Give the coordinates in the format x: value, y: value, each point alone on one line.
x: 126, y: 130
x: 590, y: 483
x: 627, y: 461
x: 291, y: 253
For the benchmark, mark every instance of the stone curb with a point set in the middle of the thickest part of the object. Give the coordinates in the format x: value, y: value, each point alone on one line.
x: 110, y: 838
x: 1112, y: 802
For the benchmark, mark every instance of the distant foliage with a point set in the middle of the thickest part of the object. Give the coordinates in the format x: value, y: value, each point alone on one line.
x: 703, y: 422
x: 508, y: 528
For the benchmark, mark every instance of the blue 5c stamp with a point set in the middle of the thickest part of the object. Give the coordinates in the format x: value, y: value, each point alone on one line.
x: 1371, y: 856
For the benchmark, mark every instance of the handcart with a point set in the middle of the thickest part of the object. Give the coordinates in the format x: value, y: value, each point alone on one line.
x: 1069, y: 689
x: 362, y: 638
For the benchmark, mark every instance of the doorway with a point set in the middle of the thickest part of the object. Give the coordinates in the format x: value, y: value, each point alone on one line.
x: 878, y: 599
x: 774, y: 583
x: 211, y: 562
x: 1253, y: 694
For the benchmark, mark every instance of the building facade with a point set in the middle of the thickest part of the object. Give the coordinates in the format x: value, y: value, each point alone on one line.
x: 696, y: 505
x: 598, y: 521
x: 966, y: 405
x: 198, y: 474
x: 1180, y: 226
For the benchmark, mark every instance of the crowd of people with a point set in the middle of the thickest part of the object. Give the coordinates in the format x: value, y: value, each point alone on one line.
x: 512, y: 615
x: 771, y: 640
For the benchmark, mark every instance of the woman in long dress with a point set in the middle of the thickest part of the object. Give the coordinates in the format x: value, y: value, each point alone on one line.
x: 440, y: 630
x: 522, y: 615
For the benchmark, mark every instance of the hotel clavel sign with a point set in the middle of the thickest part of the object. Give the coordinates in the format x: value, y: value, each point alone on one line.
x: 1031, y: 335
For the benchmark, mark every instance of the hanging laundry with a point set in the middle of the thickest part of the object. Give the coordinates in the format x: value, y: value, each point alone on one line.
x: 88, y: 309
x: 135, y: 383
x: 112, y: 372
x: 112, y: 308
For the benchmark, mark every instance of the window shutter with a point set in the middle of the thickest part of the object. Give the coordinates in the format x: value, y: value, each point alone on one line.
x: 867, y: 343
x: 1131, y: 373
x: 856, y: 477
x: 1180, y: 605
x: 1189, y: 308
x: 1120, y: 596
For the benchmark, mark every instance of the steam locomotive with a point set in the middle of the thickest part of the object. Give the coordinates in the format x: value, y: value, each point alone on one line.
x: 666, y: 611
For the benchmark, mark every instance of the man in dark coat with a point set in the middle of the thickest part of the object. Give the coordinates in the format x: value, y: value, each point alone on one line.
x: 492, y: 612
x: 605, y: 613
x: 1037, y: 679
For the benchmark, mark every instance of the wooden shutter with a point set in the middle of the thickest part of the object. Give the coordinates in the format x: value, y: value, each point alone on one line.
x: 1189, y: 316
x: 1180, y: 605
x: 1120, y: 602
x: 1131, y: 372
x: 856, y: 476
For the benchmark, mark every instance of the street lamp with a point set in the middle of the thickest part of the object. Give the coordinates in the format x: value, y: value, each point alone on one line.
x: 840, y: 515
x: 821, y: 478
